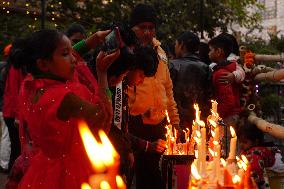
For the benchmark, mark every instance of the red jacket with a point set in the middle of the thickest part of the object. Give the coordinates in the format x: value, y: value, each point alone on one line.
x: 11, y: 93
x: 227, y: 95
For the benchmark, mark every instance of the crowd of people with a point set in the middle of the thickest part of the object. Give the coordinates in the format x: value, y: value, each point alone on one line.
x: 53, y: 79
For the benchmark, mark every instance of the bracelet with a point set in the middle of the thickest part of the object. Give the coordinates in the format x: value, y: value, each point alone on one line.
x: 81, y: 47
x: 147, y: 144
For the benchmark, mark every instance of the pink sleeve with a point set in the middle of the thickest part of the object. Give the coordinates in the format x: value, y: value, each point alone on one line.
x: 239, y: 74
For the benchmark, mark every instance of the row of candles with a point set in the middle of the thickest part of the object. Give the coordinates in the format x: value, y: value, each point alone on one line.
x: 220, y: 172
x: 105, y: 160
x: 216, y: 173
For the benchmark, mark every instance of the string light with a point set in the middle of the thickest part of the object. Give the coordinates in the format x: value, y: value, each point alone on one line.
x: 27, y: 5
x: 8, y: 12
x: 28, y: 12
x: 4, y: 2
x: 59, y: 2
x: 52, y: 19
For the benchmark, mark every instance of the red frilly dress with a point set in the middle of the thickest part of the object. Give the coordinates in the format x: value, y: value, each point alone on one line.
x: 58, y: 158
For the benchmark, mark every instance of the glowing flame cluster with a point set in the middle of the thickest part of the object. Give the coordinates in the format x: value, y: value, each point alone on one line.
x: 101, y: 154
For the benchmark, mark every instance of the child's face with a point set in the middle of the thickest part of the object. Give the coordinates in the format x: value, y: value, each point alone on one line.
x: 135, y: 77
x: 62, y: 63
x: 216, y: 54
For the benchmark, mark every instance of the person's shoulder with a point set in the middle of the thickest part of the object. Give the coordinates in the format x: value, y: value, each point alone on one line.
x: 160, y: 51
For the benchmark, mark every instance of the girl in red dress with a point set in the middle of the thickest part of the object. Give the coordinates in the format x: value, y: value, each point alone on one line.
x: 52, y: 100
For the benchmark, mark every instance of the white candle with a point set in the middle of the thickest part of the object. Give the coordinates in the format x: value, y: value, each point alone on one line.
x: 203, y: 151
x: 217, y: 161
x: 233, y: 144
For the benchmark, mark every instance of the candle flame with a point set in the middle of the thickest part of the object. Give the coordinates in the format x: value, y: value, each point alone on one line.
x: 201, y: 123
x: 214, y: 101
x: 196, y: 107
x: 233, y: 133
x: 85, y: 186
x: 197, y: 140
x: 198, y: 134
x: 107, y: 144
x: 168, y: 118
x: 240, y: 165
x: 105, y: 185
x: 223, y: 162
x: 212, y: 133
x: 101, y: 154
x: 215, y: 142
x: 119, y: 182
x: 213, y: 123
x: 236, y: 179
x: 194, y: 172
x: 237, y: 158
x: 245, y: 167
x: 196, y: 154
x: 211, y: 152
x: 92, y: 147
x: 245, y: 159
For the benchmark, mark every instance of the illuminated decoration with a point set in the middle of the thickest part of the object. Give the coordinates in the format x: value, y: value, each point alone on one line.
x: 31, y: 8
x: 105, y: 2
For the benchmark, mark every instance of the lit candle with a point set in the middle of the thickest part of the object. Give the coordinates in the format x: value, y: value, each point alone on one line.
x: 217, y: 149
x: 119, y: 182
x: 203, y: 149
x: 233, y: 144
x: 214, y: 106
x: 85, y: 186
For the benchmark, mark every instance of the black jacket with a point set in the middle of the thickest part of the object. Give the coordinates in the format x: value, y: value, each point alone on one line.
x: 191, y: 84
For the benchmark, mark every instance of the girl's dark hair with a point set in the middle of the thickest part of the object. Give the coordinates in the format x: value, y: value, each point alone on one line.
x: 142, y: 58
x: 223, y: 43
x: 40, y: 45
x: 250, y: 132
x: 17, y: 47
x: 190, y: 41
x: 122, y: 64
x: 146, y: 59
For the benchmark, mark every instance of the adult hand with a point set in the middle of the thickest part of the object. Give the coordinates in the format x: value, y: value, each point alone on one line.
x: 227, y: 78
x: 97, y: 38
x: 159, y: 146
x: 104, y: 60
